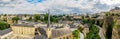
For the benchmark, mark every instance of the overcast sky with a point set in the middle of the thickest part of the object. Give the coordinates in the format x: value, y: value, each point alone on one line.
x: 56, y: 6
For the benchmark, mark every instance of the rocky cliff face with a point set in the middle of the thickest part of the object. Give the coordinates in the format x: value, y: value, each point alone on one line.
x: 116, y: 27
x: 109, y: 30
x: 107, y: 23
x: 108, y: 26
x: 115, y: 33
x: 116, y: 30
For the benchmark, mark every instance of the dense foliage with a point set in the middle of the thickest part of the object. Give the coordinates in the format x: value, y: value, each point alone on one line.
x: 3, y: 25
x: 93, y: 33
x: 76, y: 34
x: 15, y: 19
x: 30, y: 19
x: 107, y: 13
x: 80, y: 29
x: 36, y: 17
x: 44, y: 18
x: 93, y: 30
x: 25, y: 15
x: 52, y: 18
x: 89, y: 20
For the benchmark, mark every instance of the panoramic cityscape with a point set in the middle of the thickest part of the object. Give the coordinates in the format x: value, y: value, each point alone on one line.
x: 59, y: 19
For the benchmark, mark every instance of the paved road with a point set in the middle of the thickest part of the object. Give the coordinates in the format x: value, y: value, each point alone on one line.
x: 100, y: 32
x: 81, y: 35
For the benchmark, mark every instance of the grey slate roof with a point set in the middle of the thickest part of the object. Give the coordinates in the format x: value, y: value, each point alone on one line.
x: 42, y: 31
x: 60, y: 32
x: 3, y: 32
x: 24, y: 25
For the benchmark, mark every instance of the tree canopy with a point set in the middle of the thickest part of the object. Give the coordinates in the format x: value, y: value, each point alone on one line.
x: 93, y: 30
x: 15, y: 19
x: 3, y: 25
x: 52, y: 18
x: 25, y: 15
x: 93, y: 34
x: 36, y: 17
x: 76, y: 34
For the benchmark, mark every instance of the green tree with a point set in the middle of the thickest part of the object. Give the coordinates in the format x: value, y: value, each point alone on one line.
x: 93, y: 34
x: 36, y: 17
x: 30, y: 19
x: 76, y: 34
x: 3, y: 25
x: 80, y: 29
x: 15, y: 19
x: 107, y: 14
x: 89, y: 20
x: 52, y: 18
x: 5, y: 14
x: 25, y: 15
x: 83, y: 17
x: 5, y: 17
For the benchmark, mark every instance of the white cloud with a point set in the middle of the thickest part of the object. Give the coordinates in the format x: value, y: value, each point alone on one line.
x: 6, y: 0
x: 57, y: 6
x: 110, y: 2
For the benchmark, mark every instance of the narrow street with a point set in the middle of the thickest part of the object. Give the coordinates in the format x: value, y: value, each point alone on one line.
x: 81, y: 35
x: 100, y: 32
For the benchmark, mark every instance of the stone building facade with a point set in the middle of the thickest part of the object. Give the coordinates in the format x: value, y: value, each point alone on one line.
x: 29, y: 31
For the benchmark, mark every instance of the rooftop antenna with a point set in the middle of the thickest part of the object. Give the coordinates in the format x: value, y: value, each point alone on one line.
x: 48, y: 25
